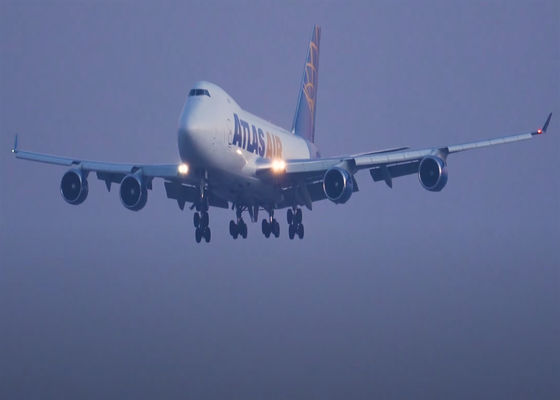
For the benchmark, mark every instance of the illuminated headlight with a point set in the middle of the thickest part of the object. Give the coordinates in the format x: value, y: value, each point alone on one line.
x: 183, y: 169
x: 278, y: 166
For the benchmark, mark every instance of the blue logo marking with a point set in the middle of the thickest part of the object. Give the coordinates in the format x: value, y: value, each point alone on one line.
x: 254, y: 140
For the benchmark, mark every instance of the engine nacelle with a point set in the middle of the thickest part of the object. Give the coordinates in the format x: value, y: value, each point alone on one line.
x: 338, y: 185
x: 74, y: 186
x: 134, y: 193
x: 432, y: 173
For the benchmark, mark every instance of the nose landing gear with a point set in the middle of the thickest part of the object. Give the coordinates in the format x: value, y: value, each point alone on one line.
x: 201, y: 219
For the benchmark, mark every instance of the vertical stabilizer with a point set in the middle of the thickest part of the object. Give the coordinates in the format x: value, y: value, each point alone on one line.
x: 304, y: 120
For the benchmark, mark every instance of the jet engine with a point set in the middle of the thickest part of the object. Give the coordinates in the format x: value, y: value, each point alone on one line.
x: 74, y: 186
x: 338, y: 185
x: 432, y: 173
x: 134, y: 193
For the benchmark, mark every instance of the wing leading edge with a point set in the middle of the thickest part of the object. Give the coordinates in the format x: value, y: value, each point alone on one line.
x: 106, y: 171
x: 169, y: 171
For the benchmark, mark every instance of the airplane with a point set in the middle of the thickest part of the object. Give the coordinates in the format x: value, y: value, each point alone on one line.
x: 231, y: 158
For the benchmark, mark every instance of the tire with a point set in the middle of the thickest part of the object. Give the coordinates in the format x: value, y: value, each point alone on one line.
x: 300, y: 231
x: 198, y: 235
x: 290, y: 216
x: 204, y: 219
x: 196, y: 220
x: 243, y: 229
x: 298, y: 217
x: 233, y: 229
x: 265, y: 228
x: 291, y: 231
x: 275, y: 228
x: 207, y: 234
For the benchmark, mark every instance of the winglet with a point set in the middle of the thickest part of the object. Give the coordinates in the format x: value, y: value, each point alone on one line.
x: 545, y: 126
x: 15, y: 148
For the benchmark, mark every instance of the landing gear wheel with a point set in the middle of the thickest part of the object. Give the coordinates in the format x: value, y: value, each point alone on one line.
x: 196, y: 220
x: 198, y: 235
x: 204, y: 219
x: 266, y: 228
x: 243, y: 229
x: 291, y: 231
x: 275, y: 228
x: 298, y: 216
x: 290, y: 216
x: 300, y: 231
x: 207, y: 234
x: 233, y: 231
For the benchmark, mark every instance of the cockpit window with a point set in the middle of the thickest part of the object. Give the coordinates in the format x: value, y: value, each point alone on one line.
x: 199, y: 92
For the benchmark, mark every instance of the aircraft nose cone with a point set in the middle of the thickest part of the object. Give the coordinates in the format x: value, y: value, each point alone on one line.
x: 193, y: 124
x: 194, y: 136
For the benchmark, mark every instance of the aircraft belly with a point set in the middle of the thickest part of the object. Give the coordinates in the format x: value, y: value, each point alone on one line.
x: 243, y: 189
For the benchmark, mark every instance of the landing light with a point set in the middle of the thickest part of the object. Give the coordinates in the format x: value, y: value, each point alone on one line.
x: 183, y: 169
x: 278, y: 166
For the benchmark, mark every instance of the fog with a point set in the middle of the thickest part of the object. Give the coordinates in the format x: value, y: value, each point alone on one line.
x: 399, y: 293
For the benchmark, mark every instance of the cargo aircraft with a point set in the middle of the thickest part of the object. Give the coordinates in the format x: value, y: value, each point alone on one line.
x: 231, y: 158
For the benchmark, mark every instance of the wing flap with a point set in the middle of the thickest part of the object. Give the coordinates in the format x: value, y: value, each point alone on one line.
x: 386, y: 173
x: 181, y: 193
x: 191, y: 194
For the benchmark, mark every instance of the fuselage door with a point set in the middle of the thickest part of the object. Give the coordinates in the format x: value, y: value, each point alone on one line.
x: 228, y: 134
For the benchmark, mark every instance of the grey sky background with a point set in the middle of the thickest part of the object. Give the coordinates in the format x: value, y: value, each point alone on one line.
x: 399, y: 293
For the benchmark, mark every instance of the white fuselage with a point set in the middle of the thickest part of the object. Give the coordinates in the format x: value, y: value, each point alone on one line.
x: 216, y: 137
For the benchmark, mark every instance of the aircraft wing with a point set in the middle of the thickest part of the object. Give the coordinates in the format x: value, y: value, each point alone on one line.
x: 181, y: 187
x: 384, y: 165
x: 106, y: 171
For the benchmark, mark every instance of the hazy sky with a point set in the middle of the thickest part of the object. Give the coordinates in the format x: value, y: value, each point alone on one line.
x: 400, y: 293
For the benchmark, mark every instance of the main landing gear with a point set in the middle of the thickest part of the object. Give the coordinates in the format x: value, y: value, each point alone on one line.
x: 295, y: 225
x: 238, y: 228
x: 270, y: 226
x: 202, y: 230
